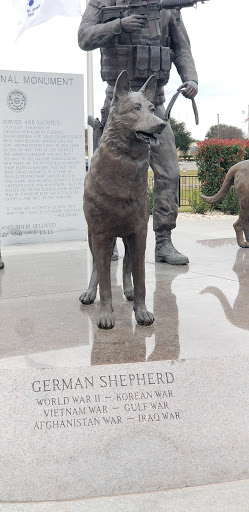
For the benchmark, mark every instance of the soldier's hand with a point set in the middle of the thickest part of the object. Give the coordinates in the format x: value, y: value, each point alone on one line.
x: 190, y: 90
x: 133, y: 22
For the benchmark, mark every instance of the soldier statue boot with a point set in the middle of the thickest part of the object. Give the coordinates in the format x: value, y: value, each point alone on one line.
x: 165, y: 252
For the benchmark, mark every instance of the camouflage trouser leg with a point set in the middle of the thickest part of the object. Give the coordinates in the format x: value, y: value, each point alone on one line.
x: 164, y: 164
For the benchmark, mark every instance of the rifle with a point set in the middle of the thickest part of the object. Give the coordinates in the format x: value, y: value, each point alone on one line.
x: 97, y: 126
x: 178, y: 4
x: 149, y: 8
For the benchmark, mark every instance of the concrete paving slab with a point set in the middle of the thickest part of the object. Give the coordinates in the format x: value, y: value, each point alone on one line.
x: 225, y: 497
x: 42, y: 321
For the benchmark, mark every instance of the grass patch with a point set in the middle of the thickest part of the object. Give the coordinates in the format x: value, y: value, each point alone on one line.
x: 189, y: 172
x: 187, y: 194
x: 185, y: 209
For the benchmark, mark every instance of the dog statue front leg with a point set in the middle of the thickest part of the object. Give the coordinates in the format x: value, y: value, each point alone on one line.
x: 102, y: 251
x: 89, y: 296
x: 142, y: 315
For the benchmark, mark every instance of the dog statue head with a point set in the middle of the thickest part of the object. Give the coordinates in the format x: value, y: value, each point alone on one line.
x: 135, y: 111
x: 122, y: 87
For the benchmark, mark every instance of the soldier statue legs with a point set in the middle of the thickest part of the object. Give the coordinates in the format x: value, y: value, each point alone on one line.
x: 164, y: 163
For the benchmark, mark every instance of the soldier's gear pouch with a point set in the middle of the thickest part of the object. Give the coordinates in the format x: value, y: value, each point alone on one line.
x: 114, y: 60
x: 151, y: 60
x: 165, y: 65
x: 142, y: 61
x: 155, y: 60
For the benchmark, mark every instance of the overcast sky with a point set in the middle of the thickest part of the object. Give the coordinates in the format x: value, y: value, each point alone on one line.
x: 218, y: 31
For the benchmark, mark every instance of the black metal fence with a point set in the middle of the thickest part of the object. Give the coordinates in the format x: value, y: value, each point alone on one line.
x: 187, y: 187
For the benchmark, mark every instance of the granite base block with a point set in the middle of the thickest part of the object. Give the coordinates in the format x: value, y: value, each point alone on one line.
x: 70, y: 433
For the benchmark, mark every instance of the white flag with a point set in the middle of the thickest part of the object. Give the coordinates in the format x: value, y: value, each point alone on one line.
x: 34, y: 12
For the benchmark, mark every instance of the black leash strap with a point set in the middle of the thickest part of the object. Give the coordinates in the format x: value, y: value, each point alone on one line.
x: 174, y: 98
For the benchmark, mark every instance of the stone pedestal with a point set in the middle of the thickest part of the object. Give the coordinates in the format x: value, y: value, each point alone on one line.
x: 120, y: 429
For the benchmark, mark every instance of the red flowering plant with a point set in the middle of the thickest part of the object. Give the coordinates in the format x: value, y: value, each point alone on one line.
x: 214, y: 158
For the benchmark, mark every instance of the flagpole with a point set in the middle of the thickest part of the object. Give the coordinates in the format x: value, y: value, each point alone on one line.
x: 90, y: 100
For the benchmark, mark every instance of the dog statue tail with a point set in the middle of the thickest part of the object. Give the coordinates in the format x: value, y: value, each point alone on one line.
x: 228, y: 182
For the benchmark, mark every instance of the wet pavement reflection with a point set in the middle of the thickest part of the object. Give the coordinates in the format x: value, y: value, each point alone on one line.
x: 238, y: 314
x: 201, y: 310
x: 159, y: 341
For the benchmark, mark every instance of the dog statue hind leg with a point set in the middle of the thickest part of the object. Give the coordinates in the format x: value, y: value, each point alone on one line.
x: 246, y: 230
x: 241, y: 227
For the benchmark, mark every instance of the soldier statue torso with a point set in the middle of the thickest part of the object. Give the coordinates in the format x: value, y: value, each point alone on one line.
x: 141, y: 53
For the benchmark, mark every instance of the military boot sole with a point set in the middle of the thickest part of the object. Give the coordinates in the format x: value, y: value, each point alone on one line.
x: 181, y: 260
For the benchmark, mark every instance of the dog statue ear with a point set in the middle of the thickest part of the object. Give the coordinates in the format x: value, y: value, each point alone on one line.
x: 149, y: 88
x: 122, y: 85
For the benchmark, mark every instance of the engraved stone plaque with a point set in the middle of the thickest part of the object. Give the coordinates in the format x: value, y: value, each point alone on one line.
x: 42, y: 162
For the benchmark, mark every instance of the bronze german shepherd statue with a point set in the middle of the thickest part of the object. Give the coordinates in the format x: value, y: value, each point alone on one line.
x: 238, y: 175
x: 116, y: 197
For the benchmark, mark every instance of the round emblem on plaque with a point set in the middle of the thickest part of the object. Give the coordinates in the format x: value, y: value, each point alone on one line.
x: 17, y: 100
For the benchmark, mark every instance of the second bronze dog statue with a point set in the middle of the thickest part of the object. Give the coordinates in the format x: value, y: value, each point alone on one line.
x: 116, y: 202
x: 238, y: 175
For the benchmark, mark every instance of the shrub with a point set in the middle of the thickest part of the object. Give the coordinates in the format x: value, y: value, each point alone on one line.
x: 230, y: 204
x: 246, y: 155
x: 214, y: 158
x: 197, y: 204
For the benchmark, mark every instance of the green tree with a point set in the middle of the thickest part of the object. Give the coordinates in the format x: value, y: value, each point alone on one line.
x: 224, y: 131
x: 183, y: 137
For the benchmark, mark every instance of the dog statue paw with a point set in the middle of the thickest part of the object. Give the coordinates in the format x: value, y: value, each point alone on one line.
x: 129, y: 293
x: 106, y: 320
x: 244, y: 245
x: 88, y: 297
x: 144, y: 317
